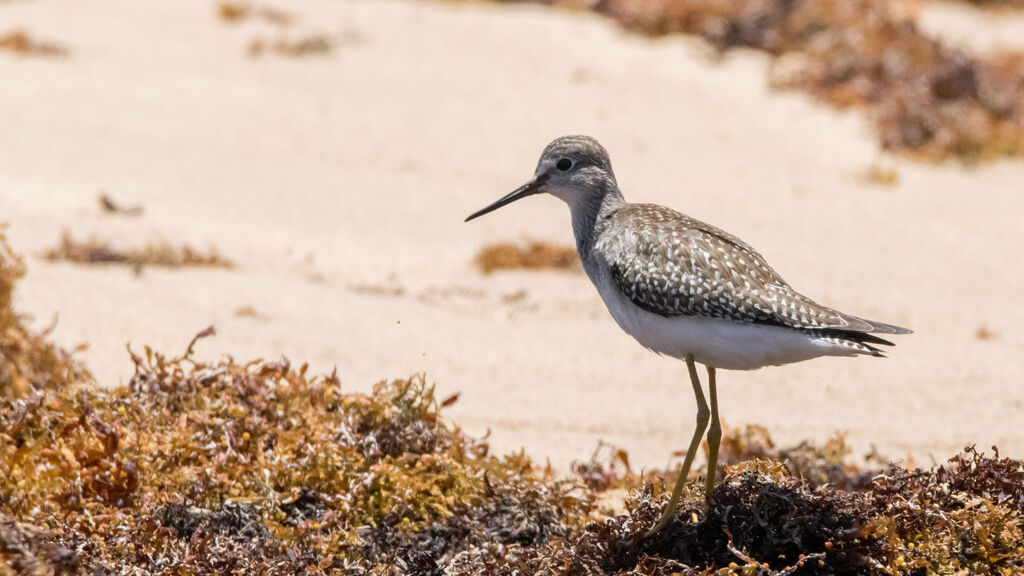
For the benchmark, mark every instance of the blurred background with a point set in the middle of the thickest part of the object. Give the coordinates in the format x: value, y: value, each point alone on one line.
x: 296, y: 173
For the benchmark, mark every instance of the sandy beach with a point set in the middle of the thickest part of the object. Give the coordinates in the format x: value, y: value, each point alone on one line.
x: 338, y: 183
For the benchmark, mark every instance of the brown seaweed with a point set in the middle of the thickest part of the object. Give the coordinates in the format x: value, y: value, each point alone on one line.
x: 534, y: 255
x: 927, y: 99
x: 164, y: 254
x: 261, y: 468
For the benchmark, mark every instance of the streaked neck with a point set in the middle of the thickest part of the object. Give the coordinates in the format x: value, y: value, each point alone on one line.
x: 588, y: 211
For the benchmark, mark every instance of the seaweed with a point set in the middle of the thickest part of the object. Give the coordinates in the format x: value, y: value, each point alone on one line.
x: 261, y: 468
x: 29, y: 362
x: 233, y: 467
x: 162, y: 254
x: 309, y: 45
x: 22, y: 43
x: 534, y: 255
x: 996, y: 4
x: 928, y: 100
x: 109, y: 206
x: 880, y: 174
x: 234, y: 12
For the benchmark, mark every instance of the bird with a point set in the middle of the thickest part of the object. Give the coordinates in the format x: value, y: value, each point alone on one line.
x: 687, y: 290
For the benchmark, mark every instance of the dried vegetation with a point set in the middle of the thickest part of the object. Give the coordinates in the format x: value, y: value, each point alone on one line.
x: 927, y: 100
x: 996, y: 4
x: 259, y: 468
x: 534, y: 255
x: 28, y: 361
x: 233, y: 12
x: 880, y: 174
x: 109, y: 206
x: 312, y: 45
x: 21, y: 42
x: 163, y: 254
x: 283, y: 45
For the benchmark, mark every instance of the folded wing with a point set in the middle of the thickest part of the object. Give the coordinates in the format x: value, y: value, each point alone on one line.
x: 673, y: 265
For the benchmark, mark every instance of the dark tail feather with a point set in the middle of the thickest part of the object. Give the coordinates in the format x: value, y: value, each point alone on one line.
x: 860, y: 338
x: 863, y: 338
x: 859, y: 332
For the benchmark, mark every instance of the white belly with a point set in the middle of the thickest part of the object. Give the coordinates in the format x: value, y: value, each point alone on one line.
x: 715, y: 342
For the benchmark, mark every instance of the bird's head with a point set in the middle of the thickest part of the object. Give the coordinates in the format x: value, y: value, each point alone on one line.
x: 574, y: 168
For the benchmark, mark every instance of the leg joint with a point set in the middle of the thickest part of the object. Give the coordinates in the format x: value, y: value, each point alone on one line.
x: 703, y: 415
x: 715, y: 431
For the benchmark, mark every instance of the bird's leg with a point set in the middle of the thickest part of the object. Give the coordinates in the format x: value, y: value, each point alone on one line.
x: 702, y: 422
x: 714, y: 436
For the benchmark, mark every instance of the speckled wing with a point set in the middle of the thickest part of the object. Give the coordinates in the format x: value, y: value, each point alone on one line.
x: 672, y: 265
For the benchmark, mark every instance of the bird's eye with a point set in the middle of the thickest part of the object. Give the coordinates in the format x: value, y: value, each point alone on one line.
x: 564, y: 164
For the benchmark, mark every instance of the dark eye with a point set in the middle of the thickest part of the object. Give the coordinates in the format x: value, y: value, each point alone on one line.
x: 564, y: 164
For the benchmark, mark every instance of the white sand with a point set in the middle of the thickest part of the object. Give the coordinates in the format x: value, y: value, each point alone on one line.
x: 324, y: 176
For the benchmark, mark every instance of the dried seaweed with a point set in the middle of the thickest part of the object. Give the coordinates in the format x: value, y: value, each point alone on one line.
x: 535, y: 255
x: 815, y: 465
x: 984, y: 333
x: 289, y: 46
x: 311, y: 45
x: 110, y: 206
x: 234, y: 12
x: 29, y: 362
x: 927, y: 99
x: 257, y: 464
x: 996, y: 4
x: 880, y: 174
x: 162, y: 254
x: 258, y: 468
x: 21, y: 42
x: 247, y: 311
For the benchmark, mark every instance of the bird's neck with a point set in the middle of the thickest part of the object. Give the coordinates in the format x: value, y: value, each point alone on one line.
x: 588, y: 212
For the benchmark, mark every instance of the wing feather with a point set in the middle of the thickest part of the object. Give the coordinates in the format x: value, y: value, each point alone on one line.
x: 673, y: 265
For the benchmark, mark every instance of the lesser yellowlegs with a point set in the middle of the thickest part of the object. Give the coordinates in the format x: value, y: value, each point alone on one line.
x: 686, y: 289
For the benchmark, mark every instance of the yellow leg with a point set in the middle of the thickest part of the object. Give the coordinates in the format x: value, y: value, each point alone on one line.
x: 714, y: 436
x: 702, y: 422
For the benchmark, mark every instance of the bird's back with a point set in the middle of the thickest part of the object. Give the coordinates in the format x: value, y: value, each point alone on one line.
x: 671, y: 265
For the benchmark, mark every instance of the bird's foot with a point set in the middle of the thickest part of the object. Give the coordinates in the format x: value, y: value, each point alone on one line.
x: 709, y: 503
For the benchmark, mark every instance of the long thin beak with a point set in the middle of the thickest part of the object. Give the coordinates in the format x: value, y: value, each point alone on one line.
x: 529, y: 189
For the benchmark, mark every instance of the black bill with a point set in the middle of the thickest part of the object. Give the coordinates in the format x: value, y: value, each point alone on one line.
x: 529, y: 189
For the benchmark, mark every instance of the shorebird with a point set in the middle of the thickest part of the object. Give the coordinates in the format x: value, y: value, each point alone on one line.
x: 686, y: 289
